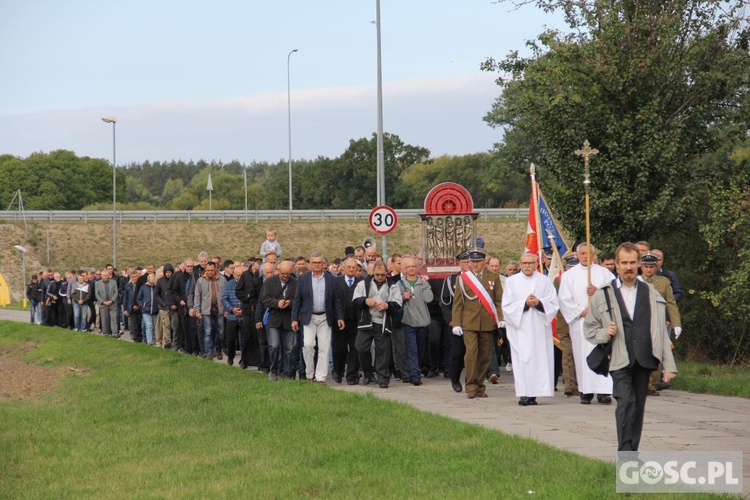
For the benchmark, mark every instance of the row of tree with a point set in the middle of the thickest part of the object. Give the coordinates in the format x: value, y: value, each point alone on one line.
x: 662, y: 89
x: 61, y: 180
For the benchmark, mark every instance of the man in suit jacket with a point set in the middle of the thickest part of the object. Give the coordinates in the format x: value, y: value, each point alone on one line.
x: 317, y: 306
x: 344, y: 353
x: 475, y: 321
x: 276, y: 294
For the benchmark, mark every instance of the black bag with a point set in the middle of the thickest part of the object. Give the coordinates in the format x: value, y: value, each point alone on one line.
x: 598, y: 359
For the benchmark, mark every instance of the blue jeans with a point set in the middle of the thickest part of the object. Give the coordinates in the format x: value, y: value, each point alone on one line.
x: 276, y: 338
x: 36, y: 312
x: 213, y: 332
x: 416, y: 339
x: 79, y: 316
x: 148, y: 326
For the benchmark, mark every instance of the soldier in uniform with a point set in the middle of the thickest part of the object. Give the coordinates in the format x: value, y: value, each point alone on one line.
x: 649, y: 266
x: 476, y: 316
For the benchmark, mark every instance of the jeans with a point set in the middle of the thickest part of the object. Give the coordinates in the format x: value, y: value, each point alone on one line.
x: 213, y: 332
x: 148, y: 324
x: 36, y: 312
x: 79, y: 316
x: 416, y: 338
x: 277, y: 336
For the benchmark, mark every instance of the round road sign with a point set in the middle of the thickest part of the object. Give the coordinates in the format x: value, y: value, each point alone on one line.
x: 383, y: 219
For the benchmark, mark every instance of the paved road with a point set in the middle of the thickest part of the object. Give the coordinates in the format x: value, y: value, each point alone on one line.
x: 675, y: 421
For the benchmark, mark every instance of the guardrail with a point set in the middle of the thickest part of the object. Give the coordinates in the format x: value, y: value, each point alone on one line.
x: 230, y: 215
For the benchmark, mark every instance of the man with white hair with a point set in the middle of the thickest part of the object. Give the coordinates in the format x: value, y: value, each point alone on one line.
x: 574, y: 296
x: 529, y: 306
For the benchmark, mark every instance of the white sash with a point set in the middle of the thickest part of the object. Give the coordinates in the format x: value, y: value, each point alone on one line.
x: 481, y: 293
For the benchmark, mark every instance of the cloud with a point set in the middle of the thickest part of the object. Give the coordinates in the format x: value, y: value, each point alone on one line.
x: 444, y: 115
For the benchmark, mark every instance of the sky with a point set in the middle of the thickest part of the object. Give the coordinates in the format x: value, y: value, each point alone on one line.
x: 208, y: 80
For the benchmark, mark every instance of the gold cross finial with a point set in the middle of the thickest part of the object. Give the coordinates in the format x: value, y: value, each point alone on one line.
x: 587, y: 151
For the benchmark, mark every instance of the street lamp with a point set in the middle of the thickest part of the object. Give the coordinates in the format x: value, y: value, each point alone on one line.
x: 289, y: 120
x: 23, y: 251
x: 381, y: 151
x: 113, y: 121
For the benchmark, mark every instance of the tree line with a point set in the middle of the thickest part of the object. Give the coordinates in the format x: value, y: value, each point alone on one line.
x: 60, y: 180
x: 661, y: 88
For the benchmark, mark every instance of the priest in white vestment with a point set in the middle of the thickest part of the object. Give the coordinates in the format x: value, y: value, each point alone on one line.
x: 529, y: 306
x: 574, y: 297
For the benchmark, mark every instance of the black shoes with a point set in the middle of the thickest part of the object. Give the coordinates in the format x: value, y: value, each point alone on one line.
x: 337, y: 378
x: 368, y: 380
x: 417, y: 381
x: 604, y: 399
x: 586, y: 399
x: 457, y: 386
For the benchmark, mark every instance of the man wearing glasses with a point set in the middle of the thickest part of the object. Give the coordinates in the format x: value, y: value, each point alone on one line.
x: 317, y: 306
x: 377, y: 302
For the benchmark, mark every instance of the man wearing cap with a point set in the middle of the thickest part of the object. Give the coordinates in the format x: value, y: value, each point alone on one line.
x: 649, y: 265
x: 476, y: 315
x: 457, y: 349
x: 574, y: 296
x: 529, y: 306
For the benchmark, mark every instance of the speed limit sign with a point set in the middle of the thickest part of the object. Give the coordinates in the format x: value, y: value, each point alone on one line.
x: 383, y: 219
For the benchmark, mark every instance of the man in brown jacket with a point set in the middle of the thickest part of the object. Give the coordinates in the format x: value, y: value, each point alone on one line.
x: 476, y: 314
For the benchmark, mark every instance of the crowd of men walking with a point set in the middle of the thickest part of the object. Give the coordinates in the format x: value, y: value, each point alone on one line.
x: 370, y: 321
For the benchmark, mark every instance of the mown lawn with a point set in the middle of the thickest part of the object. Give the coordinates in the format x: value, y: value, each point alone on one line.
x: 706, y: 378
x: 144, y: 422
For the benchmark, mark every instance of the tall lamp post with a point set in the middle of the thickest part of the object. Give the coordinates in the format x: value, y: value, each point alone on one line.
x: 289, y: 121
x: 23, y: 269
x: 380, y: 152
x: 113, y: 121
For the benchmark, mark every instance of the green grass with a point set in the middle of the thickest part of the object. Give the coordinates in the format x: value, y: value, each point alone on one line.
x: 16, y: 306
x: 144, y: 422
x: 707, y: 378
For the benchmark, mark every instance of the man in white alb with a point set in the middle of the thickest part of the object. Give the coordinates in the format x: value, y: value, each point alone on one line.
x: 529, y: 306
x: 574, y: 296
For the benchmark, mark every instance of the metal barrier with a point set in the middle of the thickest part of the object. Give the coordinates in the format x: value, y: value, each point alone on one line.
x: 230, y: 215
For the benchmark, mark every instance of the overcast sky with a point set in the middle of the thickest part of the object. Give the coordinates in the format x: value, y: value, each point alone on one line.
x: 208, y: 80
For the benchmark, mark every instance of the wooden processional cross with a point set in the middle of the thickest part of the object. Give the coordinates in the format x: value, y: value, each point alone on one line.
x: 587, y: 152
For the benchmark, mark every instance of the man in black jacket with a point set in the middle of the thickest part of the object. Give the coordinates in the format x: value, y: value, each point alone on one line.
x: 253, y: 349
x: 179, y: 284
x: 345, y: 359
x: 277, y: 294
x: 377, y: 302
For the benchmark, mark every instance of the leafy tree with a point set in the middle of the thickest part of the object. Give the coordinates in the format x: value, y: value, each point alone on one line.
x: 661, y: 89
x: 644, y: 82
x: 358, y: 165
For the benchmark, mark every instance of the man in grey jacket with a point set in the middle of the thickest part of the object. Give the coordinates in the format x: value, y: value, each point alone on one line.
x: 106, y: 294
x: 416, y: 293
x: 209, y: 310
x: 632, y: 315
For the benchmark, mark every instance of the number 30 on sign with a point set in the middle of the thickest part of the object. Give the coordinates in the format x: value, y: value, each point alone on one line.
x: 383, y: 219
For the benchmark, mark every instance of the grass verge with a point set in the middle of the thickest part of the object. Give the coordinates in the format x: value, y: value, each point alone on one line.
x: 707, y: 378
x: 141, y: 421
